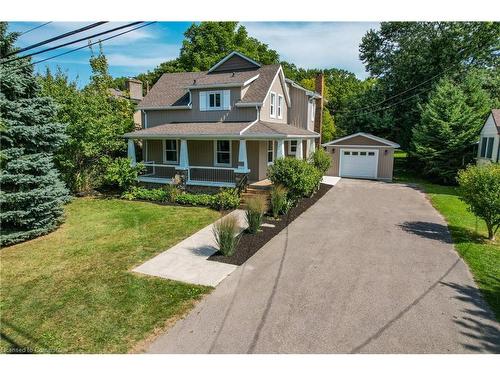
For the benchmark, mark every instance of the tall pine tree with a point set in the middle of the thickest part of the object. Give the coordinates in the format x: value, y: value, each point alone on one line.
x: 32, y: 194
x: 449, y: 127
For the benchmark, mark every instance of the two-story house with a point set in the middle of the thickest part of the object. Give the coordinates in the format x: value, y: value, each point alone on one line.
x: 225, y: 125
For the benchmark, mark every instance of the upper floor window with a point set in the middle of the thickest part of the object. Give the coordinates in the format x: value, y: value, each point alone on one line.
x: 280, y: 106
x: 273, y: 105
x: 215, y: 100
x: 313, y: 110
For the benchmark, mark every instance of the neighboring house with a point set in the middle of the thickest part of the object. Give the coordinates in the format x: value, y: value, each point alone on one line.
x: 226, y: 125
x: 134, y: 94
x: 489, y: 141
x: 362, y: 155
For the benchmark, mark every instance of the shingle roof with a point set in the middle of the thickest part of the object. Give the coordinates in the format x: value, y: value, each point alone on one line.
x: 257, y: 129
x: 271, y: 128
x: 171, y: 88
x: 496, y: 118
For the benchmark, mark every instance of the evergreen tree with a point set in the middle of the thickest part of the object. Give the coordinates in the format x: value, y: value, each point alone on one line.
x: 450, y: 124
x: 32, y: 195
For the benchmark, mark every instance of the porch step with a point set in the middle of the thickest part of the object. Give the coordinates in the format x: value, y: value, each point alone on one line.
x: 252, y: 191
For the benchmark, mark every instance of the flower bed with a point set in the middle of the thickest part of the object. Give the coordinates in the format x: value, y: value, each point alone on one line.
x: 249, y: 243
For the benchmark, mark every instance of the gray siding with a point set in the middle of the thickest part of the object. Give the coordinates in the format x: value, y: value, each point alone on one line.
x: 265, y: 111
x: 160, y: 117
x: 298, y: 112
x: 234, y: 63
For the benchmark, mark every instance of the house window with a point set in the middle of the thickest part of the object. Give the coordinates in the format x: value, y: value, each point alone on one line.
x: 484, y: 142
x: 215, y: 100
x: 270, y: 152
x: 313, y: 110
x: 171, y: 151
x: 273, y: 105
x: 292, y: 147
x: 222, y: 153
x: 280, y: 106
x: 489, y: 150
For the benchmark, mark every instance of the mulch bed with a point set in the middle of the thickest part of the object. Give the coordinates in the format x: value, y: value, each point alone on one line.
x: 250, y: 243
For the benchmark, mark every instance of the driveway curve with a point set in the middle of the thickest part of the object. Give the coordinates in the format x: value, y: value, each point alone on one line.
x: 370, y: 268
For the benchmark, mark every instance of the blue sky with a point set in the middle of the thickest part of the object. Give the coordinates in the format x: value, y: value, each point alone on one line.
x: 307, y: 44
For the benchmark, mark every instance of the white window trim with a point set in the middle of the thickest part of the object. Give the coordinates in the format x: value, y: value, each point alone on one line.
x: 280, y: 106
x: 268, y: 150
x: 230, y: 154
x: 313, y: 110
x: 272, y: 104
x: 221, y: 93
x: 164, y: 148
x: 290, y: 152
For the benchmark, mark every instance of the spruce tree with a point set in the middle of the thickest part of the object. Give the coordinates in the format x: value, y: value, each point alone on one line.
x: 448, y: 129
x: 32, y: 194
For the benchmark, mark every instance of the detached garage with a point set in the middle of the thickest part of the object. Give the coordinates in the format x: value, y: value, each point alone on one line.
x: 362, y: 155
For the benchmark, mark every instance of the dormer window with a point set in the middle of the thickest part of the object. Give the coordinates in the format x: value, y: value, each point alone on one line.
x: 215, y: 100
x: 273, y: 105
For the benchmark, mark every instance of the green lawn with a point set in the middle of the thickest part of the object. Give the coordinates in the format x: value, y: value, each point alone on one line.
x: 72, y: 290
x: 469, y: 235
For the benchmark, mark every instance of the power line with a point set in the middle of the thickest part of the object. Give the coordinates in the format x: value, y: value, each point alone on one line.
x: 34, y: 28
x: 82, y: 47
x: 88, y: 27
x: 404, y: 91
x: 73, y: 42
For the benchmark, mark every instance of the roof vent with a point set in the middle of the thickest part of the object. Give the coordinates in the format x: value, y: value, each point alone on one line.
x: 194, y: 82
x: 233, y: 74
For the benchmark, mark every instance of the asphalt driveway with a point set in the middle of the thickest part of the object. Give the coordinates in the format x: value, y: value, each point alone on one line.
x: 370, y: 268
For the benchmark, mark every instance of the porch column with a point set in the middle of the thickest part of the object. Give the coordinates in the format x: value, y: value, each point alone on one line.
x: 242, y: 157
x: 311, y: 146
x: 131, y: 152
x: 183, y: 155
x: 280, y: 151
x: 299, y: 154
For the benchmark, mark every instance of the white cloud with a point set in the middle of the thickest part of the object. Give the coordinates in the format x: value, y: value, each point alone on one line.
x: 118, y: 59
x: 314, y: 44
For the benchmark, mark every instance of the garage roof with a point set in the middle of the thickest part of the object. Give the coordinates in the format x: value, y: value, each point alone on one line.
x: 382, y: 141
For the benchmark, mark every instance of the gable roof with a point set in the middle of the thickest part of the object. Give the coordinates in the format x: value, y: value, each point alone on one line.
x: 172, y: 89
x: 366, y: 135
x: 247, y: 62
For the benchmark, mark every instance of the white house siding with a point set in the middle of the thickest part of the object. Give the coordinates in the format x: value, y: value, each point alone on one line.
x: 489, y: 130
x: 265, y: 112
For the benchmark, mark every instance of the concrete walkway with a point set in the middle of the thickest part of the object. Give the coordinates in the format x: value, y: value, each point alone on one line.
x: 187, y: 261
x: 330, y: 180
x: 370, y: 268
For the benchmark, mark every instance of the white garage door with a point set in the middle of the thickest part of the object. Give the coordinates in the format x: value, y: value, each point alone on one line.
x: 358, y: 163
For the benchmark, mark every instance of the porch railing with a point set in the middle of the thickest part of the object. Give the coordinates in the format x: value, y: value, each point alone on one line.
x: 211, y: 174
x: 155, y: 170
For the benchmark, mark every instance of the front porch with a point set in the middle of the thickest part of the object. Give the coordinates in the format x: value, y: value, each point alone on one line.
x: 214, y: 162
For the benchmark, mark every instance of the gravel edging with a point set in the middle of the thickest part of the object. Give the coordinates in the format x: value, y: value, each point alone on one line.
x: 251, y: 243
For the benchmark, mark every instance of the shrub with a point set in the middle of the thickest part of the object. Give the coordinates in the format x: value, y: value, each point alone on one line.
x: 321, y: 160
x: 278, y: 200
x: 173, y: 192
x: 118, y: 173
x: 256, y: 208
x: 226, y: 199
x: 226, y: 234
x: 298, y: 176
x: 480, y: 189
x: 195, y: 199
x: 155, y: 195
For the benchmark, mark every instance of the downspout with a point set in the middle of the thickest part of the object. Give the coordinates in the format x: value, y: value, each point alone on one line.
x: 498, y: 149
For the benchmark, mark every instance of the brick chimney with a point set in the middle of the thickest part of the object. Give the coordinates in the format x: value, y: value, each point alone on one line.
x: 134, y: 87
x: 318, y: 118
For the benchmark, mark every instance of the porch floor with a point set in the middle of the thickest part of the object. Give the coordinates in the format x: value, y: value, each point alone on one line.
x: 262, y: 184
